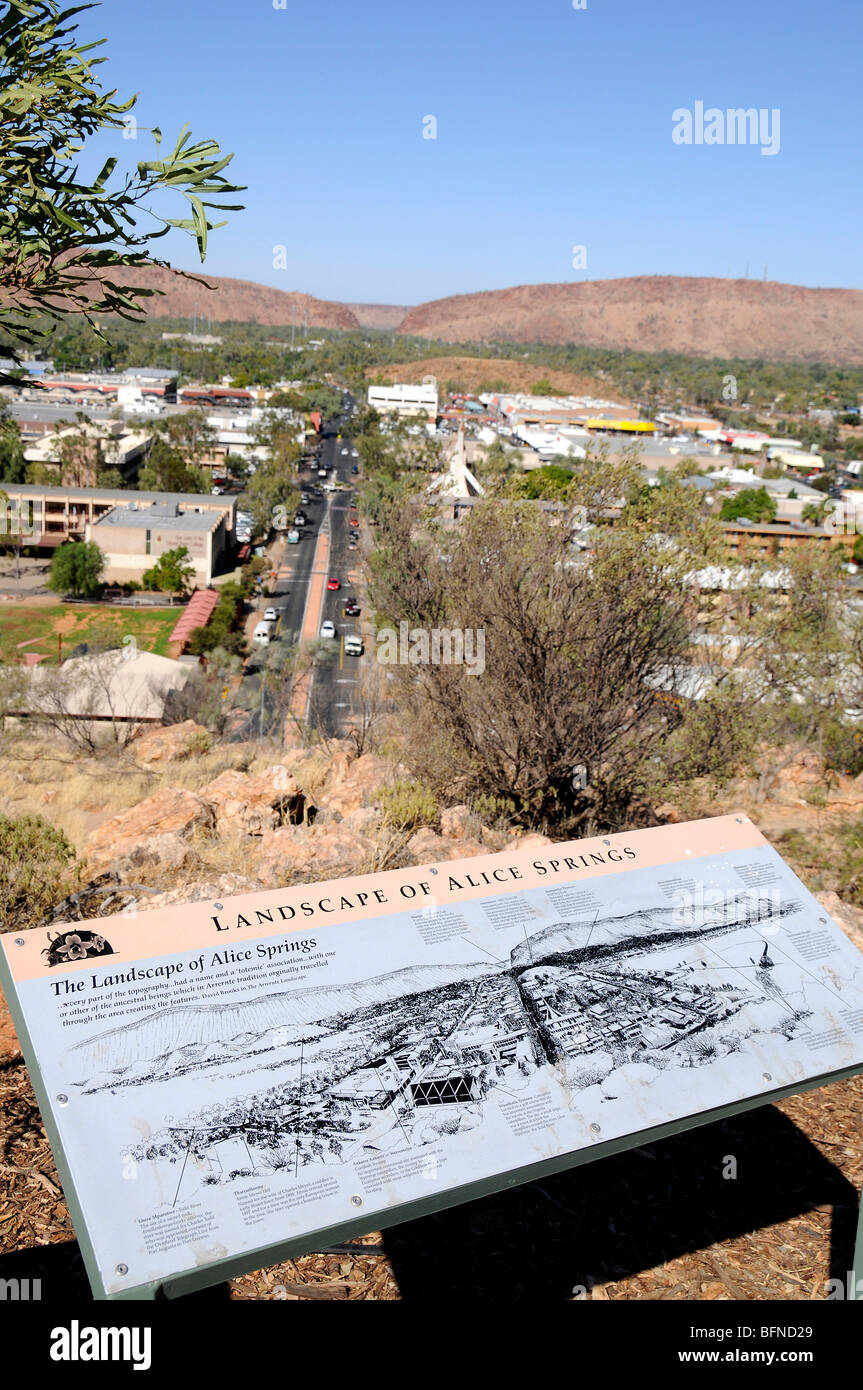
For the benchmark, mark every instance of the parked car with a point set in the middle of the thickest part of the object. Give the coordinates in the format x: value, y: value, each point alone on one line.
x: 354, y: 468
x: 263, y: 633
x: 353, y: 644
x: 354, y: 535
x: 271, y: 615
x: 333, y: 584
x: 328, y: 629
x: 352, y: 608
x: 293, y: 537
x: 344, y: 453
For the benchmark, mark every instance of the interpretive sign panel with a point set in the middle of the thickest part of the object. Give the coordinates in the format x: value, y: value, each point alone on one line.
x: 227, y: 1083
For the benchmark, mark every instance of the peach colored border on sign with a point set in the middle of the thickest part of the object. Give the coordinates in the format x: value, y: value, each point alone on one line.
x: 190, y: 926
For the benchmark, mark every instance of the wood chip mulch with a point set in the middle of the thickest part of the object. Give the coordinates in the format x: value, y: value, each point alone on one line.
x: 762, y: 1207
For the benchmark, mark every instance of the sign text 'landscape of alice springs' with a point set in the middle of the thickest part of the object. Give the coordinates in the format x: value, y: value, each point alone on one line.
x: 230, y: 1084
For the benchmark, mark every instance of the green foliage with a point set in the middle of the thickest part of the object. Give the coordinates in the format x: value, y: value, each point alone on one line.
x: 166, y: 470
x: 542, y: 388
x: 221, y: 629
x: 754, y: 503
x: 172, y: 572
x: 408, y: 805
x: 77, y: 569
x: 813, y: 512
x: 36, y: 870
x: 12, y: 465
x: 551, y: 482
x: 61, y: 235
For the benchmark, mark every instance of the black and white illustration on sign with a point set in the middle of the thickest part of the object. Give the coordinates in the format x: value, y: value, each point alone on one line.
x: 372, y: 1062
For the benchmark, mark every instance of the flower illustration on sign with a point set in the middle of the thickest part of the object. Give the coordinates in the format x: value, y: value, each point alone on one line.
x: 69, y: 946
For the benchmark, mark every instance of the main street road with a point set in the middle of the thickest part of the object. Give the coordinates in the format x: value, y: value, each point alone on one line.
x: 334, y: 689
x: 301, y: 606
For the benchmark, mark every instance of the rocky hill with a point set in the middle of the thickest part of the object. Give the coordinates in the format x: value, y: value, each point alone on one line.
x: 383, y: 316
x: 238, y: 301
x: 660, y: 313
x: 649, y: 313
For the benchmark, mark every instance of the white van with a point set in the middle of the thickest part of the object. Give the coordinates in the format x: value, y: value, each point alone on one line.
x: 353, y: 645
x: 263, y: 633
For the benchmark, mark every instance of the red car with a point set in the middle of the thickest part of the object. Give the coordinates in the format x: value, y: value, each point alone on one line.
x: 333, y: 583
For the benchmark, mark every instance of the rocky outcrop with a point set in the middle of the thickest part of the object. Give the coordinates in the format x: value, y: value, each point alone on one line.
x: 170, y: 743
x: 699, y: 316
x: 226, y: 300
x: 306, y: 853
x: 157, y: 830
x: 253, y: 805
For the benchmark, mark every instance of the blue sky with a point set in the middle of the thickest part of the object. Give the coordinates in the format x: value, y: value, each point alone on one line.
x: 554, y: 130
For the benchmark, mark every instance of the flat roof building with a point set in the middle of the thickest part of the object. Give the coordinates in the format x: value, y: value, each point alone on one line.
x: 406, y: 398
x: 46, y: 516
x: 133, y: 537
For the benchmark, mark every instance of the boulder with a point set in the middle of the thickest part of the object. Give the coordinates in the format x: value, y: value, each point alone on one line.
x: 427, y: 847
x: 170, y: 743
x: 532, y: 841
x: 173, y: 811
x: 308, y: 853
x: 250, y: 805
x: 355, y: 783
x: 454, y: 822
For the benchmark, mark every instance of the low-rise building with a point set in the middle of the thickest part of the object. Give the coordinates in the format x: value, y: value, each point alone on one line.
x: 97, y: 444
x: 405, y: 398
x: 46, y: 516
x: 132, y: 538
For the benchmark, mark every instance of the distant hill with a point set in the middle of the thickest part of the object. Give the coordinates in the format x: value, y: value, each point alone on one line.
x: 659, y: 313
x: 239, y: 301
x: 383, y: 316
x: 648, y: 313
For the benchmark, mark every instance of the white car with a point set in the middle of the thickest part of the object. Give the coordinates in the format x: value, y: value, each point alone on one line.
x: 345, y: 452
x: 354, y: 454
x: 328, y: 629
x: 270, y: 615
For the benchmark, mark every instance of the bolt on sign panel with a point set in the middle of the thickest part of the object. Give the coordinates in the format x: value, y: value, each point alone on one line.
x: 226, y: 1084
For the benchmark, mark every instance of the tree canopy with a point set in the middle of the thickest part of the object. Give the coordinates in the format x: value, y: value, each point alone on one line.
x: 77, y: 568
x: 62, y: 234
